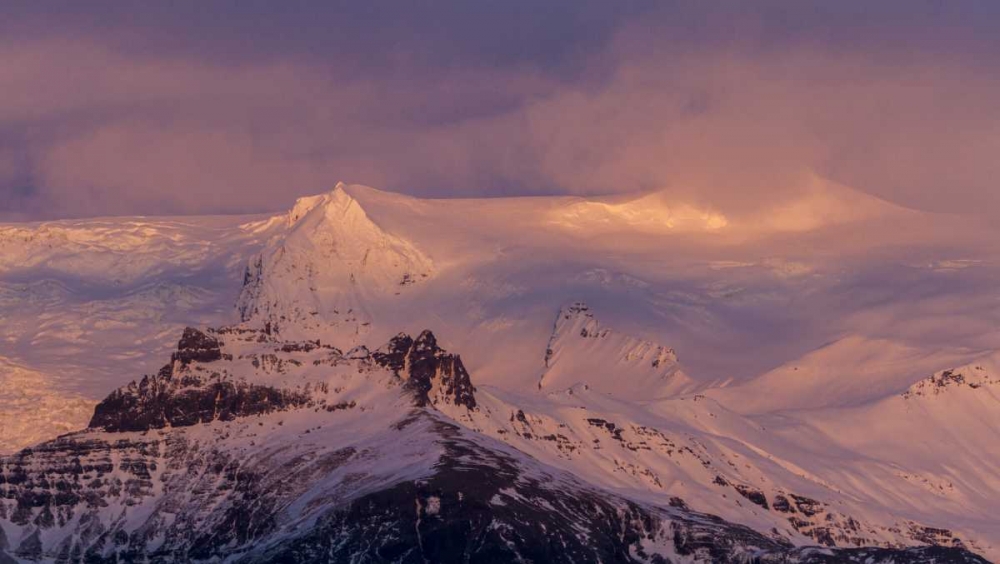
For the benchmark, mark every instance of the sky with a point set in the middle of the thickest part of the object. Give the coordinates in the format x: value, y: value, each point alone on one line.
x: 168, y: 108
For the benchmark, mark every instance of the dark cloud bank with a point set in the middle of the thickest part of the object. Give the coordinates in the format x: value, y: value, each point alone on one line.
x: 228, y: 107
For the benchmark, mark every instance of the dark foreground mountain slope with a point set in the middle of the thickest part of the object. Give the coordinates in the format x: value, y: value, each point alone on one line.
x: 245, y: 449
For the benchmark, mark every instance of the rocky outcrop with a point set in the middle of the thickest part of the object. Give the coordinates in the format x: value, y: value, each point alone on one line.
x: 177, y: 396
x: 180, y: 396
x: 972, y: 377
x: 430, y: 373
x: 162, y: 400
x: 197, y: 346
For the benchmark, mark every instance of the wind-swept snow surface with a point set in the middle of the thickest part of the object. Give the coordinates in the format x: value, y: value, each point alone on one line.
x: 824, y: 374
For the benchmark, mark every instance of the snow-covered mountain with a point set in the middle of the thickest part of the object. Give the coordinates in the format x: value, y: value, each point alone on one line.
x: 622, y: 393
x: 326, y: 265
x: 581, y: 351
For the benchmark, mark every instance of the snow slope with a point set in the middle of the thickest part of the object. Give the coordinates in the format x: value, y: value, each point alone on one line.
x: 35, y: 409
x: 847, y: 372
x: 581, y: 351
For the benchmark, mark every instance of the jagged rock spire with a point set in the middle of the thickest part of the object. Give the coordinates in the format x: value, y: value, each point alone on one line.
x: 430, y: 373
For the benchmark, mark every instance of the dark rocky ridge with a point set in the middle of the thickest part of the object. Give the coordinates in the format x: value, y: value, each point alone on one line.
x: 420, y: 362
x: 197, y: 346
x: 160, y: 401
x: 175, y: 397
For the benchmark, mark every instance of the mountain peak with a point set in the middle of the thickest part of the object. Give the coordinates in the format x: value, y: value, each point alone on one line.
x: 323, y: 270
x: 336, y: 202
x: 581, y: 350
x: 431, y: 374
x: 979, y: 374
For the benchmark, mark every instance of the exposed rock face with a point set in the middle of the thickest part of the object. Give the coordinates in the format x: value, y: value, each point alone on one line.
x: 162, y: 401
x: 178, y: 396
x: 430, y: 373
x: 755, y: 496
x: 197, y: 346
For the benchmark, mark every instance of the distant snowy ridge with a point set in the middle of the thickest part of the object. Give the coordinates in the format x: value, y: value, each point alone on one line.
x: 582, y: 351
x: 819, y: 204
x: 983, y: 373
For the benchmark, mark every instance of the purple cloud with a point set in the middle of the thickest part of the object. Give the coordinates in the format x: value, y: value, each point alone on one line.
x: 200, y: 108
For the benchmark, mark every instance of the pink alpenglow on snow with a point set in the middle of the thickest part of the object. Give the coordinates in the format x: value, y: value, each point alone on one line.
x: 639, y: 283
